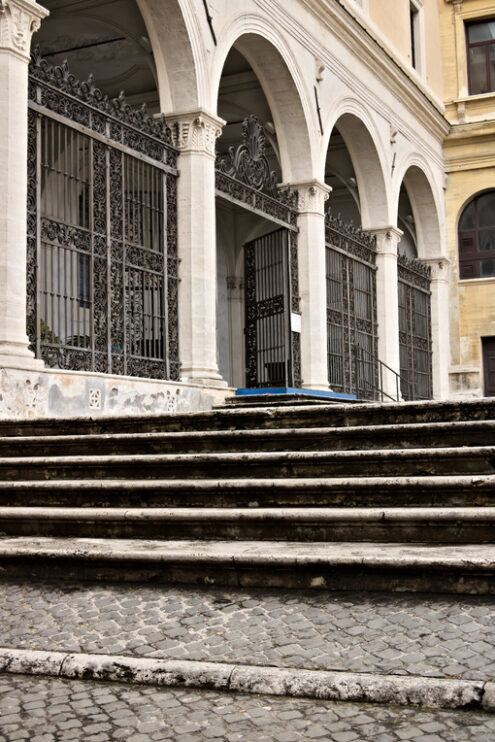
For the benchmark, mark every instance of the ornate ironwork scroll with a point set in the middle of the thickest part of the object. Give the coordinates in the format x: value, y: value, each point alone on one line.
x: 414, y: 278
x: 102, y: 230
x: 351, y: 307
x: 244, y: 175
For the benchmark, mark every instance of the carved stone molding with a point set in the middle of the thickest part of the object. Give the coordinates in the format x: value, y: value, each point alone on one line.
x: 439, y: 267
x: 387, y: 239
x: 19, y: 19
x: 312, y: 196
x: 195, y: 131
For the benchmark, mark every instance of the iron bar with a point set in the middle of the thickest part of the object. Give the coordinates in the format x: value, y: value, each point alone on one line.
x: 210, y: 21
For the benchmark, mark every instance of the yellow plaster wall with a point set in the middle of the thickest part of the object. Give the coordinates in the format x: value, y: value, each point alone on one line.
x: 392, y: 18
x: 470, y: 165
x: 473, y: 301
x: 434, y: 71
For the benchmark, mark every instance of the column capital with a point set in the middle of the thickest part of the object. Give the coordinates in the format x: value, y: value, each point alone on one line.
x: 195, y: 131
x: 388, y: 234
x: 312, y: 196
x: 19, y: 19
x: 439, y: 267
x: 387, y: 239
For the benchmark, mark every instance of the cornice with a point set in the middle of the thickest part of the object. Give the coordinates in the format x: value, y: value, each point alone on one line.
x: 418, y: 100
x: 462, y: 163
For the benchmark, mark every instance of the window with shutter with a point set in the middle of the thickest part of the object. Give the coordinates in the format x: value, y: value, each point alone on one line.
x: 477, y: 237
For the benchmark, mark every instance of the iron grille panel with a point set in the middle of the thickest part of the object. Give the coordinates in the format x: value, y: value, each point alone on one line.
x: 102, y: 232
x: 415, y: 329
x: 351, y: 309
x: 268, y: 334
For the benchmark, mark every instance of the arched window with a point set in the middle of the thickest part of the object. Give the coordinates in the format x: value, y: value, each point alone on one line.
x: 477, y: 237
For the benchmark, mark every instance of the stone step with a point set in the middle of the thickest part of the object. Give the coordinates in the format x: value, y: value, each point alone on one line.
x: 349, y: 492
x: 464, y: 433
x: 468, y: 568
x: 389, y: 462
x: 337, y: 415
x: 435, y: 525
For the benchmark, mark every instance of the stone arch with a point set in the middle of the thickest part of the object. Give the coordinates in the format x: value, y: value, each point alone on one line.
x: 364, y: 145
x: 418, y: 181
x: 282, y: 83
x: 174, y: 37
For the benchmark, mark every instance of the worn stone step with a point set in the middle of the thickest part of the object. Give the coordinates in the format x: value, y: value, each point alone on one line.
x: 435, y: 525
x: 465, y: 433
x: 465, y: 568
x: 389, y: 462
x: 437, y: 491
x: 340, y: 415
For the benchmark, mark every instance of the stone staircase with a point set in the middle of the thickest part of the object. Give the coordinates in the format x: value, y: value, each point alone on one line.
x: 373, y: 497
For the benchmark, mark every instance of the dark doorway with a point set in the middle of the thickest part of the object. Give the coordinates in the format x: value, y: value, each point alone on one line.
x: 489, y: 365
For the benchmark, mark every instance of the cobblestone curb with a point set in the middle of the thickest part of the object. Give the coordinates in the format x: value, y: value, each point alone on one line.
x: 333, y: 686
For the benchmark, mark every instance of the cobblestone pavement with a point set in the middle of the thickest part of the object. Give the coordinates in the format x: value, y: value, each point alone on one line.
x: 50, y: 709
x: 444, y: 636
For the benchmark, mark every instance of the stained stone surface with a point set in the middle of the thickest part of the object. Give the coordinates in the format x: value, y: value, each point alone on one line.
x: 50, y: 709
x: 431, y: 636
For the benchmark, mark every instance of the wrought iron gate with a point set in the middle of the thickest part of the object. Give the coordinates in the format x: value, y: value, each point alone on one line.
x: 414, y: 280
x: 267, y: 311
x: 351, y: 309
x: 102, y: 247
x: 243, y: 177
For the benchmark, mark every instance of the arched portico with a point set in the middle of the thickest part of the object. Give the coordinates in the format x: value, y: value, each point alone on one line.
x: 356, y: 165
x: 257, y: 116
x: 415, y: 176
x: 369, y: 164
x: 418, y: 185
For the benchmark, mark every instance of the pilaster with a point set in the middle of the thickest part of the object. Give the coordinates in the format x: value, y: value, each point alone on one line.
x: 19, y: 19
x: 460, y: 49
x: 194, y: 134
x: 312, y: 283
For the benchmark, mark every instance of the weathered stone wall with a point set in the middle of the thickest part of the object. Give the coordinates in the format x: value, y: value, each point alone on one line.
x: 25, y: 394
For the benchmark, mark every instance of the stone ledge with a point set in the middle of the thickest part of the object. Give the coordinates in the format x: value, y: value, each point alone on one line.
x: 335, y: 686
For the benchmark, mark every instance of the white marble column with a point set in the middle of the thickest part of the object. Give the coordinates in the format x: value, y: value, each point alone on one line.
x: 19, y: 19
x: 312, y: 283
x: 440, y: 324
x: 387, y: 304
x: 195, y: 134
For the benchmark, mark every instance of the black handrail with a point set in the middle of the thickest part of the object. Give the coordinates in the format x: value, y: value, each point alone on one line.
x: 363, y: 382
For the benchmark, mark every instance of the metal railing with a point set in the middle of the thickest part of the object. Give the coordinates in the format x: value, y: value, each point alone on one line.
x: 369, y: 377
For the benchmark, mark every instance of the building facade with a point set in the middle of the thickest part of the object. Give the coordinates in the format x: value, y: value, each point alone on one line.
x: 468, y: 42
x: 283, y: 225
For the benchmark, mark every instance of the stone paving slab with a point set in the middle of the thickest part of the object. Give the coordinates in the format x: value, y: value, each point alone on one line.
x: 406, y: 635
x: 48, y: 710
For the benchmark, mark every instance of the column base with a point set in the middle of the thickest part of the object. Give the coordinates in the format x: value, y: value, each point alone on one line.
x: 203, y: 377
x: 18, y: 355
x: 320, y: 387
